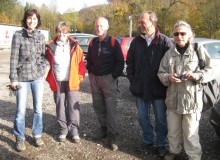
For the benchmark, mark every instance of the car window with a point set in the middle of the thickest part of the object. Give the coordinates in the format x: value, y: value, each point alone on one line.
x: 213, y: 49
x: 82, y: 40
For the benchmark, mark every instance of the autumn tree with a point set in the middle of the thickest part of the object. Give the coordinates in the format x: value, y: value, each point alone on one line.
x: 73, y: 18
x: 3, y: 18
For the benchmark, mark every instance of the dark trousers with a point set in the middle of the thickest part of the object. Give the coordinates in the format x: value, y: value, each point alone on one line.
x: 67, y: 109
x: 104, y: 95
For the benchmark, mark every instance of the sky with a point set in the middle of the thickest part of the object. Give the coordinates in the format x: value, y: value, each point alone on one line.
x: 64, y: 5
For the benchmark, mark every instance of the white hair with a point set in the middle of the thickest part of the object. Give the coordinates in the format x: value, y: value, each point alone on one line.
x: 106, y: 25
x: 185, y: 24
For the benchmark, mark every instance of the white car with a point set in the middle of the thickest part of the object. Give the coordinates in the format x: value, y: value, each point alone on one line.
x: 213, y: 48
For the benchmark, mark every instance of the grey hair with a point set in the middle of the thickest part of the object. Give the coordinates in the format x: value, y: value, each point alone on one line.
x: 152, y: 16
x: 105, y: 21
x: 62, y: 26
x: 187, y: 25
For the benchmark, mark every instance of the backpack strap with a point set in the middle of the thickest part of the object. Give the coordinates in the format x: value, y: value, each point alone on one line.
x: 90, y: 44
x: 113, y: 41
x: 201, y: 61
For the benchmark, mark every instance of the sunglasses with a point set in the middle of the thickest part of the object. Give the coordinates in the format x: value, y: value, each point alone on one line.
x: 179, y: 33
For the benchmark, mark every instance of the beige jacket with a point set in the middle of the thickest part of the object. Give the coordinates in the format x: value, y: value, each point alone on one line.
x: 185, y: 97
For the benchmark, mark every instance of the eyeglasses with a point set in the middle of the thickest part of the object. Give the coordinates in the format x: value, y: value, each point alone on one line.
x: 179, y: 33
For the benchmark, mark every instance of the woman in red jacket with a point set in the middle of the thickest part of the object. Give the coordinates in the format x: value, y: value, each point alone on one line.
x: 66, y: 72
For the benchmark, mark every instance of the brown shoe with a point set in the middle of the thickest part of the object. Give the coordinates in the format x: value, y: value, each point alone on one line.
x: 61, y: 138
x: 76, y: 139
x: 170, y: 156
x: 38, y: 142
x: 20, y: 144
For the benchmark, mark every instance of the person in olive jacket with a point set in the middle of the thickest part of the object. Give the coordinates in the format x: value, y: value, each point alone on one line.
x: 179, y: 71
x: 143, y: 60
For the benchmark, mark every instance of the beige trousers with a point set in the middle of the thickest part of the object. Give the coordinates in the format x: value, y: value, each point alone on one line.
x: 186, y: 126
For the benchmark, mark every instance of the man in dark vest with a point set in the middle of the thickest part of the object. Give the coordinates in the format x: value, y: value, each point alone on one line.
x: 105, y: 64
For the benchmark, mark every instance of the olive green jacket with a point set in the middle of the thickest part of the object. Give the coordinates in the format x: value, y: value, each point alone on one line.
x: 185, y: 97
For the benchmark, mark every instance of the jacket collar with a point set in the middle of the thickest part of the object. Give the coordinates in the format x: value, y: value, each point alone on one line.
x: 104, y: 40
x: 53, y: 43
x: 156, y: 37
x: 31, y: 34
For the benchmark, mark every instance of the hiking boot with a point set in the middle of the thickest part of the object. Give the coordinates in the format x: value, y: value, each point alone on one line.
x: 162, y: 151
x: 170, y: 156
x: 113, y: 141
x: 143, y: 147
x: 38, y: 142
x: 20, y: 146
x: 62, y: 138
x: 102, y: 134
x: 173, y: 156
x: 76, y: 139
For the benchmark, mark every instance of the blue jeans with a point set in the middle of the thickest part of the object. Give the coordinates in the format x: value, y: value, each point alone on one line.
x: 160, y: 129
x: 37, y: 88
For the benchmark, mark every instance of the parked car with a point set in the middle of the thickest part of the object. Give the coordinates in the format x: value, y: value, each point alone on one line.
x: 125, y: 44
x: 83, y: 40
x: 213, y: 48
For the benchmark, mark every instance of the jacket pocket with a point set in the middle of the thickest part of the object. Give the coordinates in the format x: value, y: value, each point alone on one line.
x: 136, y: 86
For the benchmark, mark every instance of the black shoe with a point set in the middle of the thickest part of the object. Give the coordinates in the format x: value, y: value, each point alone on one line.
x: 113, y: 141
x: 20, y: 144
x: 101, y: 134
x: 162, y: 151
x: 143, y: 147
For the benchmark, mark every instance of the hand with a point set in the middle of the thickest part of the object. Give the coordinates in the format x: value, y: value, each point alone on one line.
x: 14, y: 85
x: 173, y: 78
x: 188, y: 75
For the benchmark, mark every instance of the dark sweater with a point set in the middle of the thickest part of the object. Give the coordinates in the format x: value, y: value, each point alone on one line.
x: 106, y: 59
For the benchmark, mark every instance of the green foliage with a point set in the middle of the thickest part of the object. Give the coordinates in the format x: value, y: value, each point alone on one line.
x: 10, y: 8
x: 73, y: 18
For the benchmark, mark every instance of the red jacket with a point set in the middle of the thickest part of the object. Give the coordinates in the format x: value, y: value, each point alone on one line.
x: 77, y: 65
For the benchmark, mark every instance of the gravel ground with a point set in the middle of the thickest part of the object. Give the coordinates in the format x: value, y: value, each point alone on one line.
x: 130, y: 133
